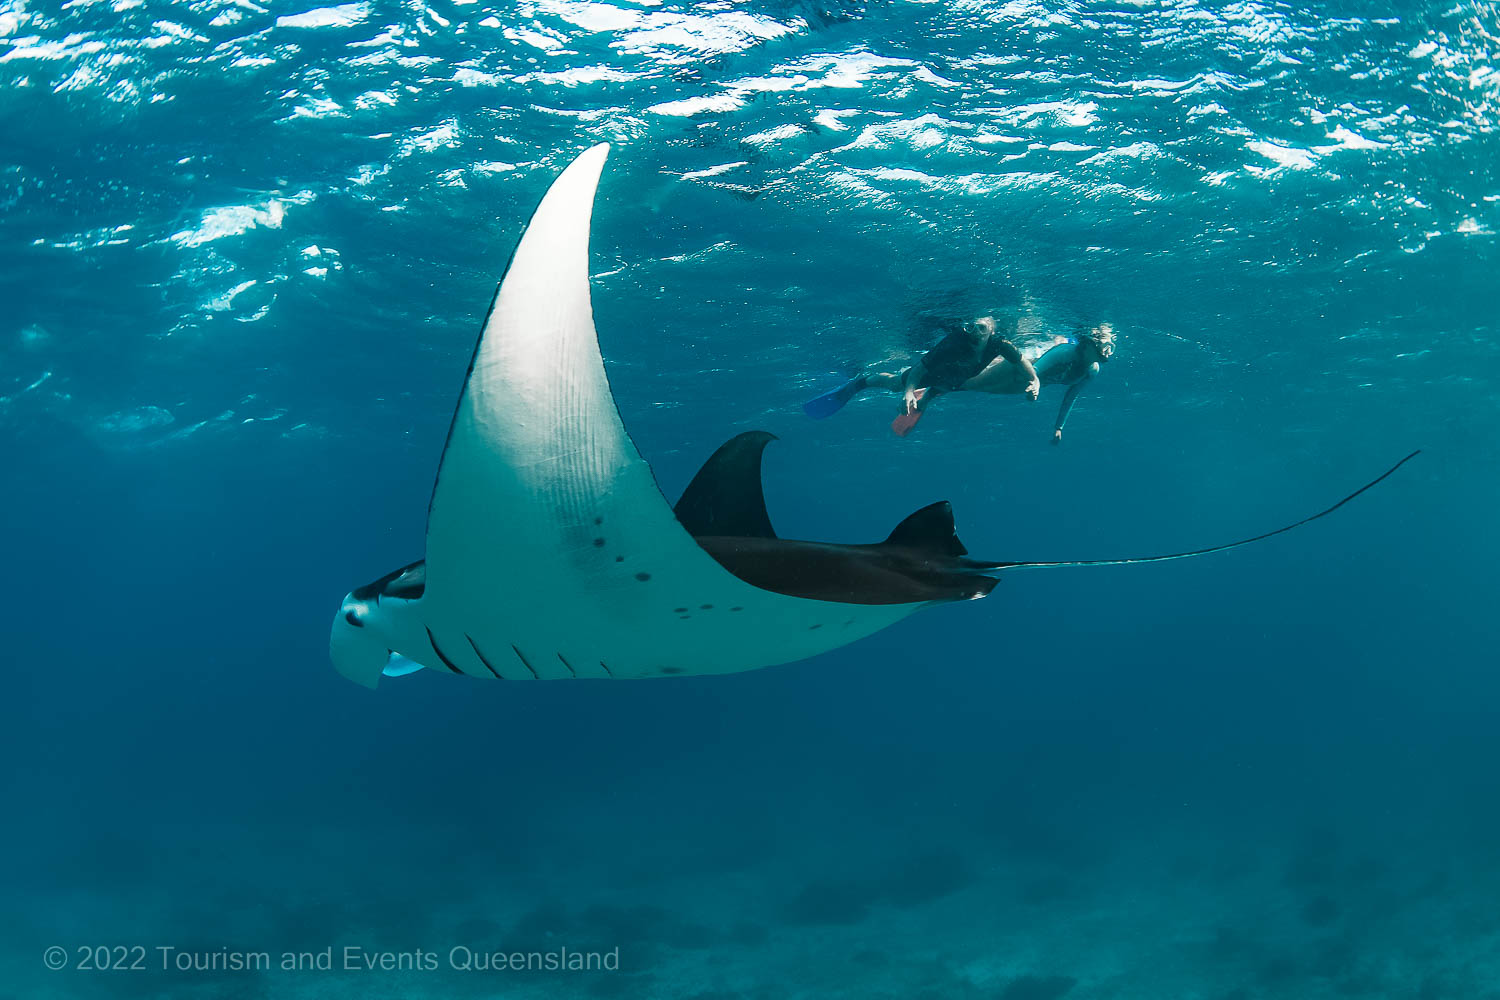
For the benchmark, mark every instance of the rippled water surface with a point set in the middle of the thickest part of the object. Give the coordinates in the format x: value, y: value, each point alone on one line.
x: 244, y: 250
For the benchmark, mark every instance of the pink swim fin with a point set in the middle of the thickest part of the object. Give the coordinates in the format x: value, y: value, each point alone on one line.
x: 903, y: 424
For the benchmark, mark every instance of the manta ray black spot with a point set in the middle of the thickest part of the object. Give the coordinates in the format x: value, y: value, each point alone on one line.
x: 433, y: 642
x: 811, y: 628
x: 643, y: 577
x: 680, y: 611
x: 736, y: 608
x: 526, y: 663
x: 619, y: 558
x: 705, y: 607
x: 353, y: 619
x: 598, y: 520
x: 671, y: 670
x: 598, y: 543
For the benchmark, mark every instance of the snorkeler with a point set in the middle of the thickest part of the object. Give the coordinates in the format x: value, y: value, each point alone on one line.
x: 1059, y: 360
x: 1043, y: 360
x: 965, y: 353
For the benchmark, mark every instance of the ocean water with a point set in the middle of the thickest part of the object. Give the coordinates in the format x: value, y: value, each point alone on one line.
x: 244, y: 253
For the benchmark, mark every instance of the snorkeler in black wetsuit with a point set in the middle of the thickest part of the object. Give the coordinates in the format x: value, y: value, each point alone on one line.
x: 963, y: 354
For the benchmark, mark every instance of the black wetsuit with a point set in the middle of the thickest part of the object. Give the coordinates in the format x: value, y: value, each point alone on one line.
x: 959, y: 356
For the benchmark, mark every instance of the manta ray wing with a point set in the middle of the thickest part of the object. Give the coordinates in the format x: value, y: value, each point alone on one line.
x: 551, y: 551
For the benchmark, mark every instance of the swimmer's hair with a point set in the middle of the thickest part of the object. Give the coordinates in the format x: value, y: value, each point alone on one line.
x: 1098, y: 335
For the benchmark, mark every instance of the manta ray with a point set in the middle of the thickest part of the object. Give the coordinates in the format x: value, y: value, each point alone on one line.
x: 552, y: 553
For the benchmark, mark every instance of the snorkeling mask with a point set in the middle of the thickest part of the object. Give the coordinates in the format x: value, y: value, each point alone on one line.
x: 1103, y: 340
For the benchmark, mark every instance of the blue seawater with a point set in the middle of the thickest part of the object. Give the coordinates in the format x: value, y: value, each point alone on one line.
x: 244, y: 251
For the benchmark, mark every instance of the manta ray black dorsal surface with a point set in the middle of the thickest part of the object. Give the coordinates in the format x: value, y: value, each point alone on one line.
x: 724, y: 509
x: 930, y: 529
x: 726, y: 497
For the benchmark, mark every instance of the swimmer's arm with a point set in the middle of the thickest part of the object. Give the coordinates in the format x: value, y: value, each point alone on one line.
x: 1062, y: 411
x: 1008, y: 352
x: 912, y: 380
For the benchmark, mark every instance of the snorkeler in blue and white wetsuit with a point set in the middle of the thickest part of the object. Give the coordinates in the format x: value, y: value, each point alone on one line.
x: 1071, y: 361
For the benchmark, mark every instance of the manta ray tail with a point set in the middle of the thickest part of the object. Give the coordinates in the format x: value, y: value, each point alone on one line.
x: 990, y: 566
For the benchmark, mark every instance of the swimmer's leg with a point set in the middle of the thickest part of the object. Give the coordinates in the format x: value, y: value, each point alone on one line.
x: 889, y: 381
x: 835, y: 400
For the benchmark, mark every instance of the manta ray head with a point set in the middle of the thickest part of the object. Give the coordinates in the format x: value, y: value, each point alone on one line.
x: 358, y: 650
x: 371, y: 623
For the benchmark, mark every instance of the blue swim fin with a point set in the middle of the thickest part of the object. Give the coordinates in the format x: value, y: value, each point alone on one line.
x: 832, y: 402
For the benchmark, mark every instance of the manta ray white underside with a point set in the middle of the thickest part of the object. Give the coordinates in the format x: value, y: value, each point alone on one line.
x: 551, y: 552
